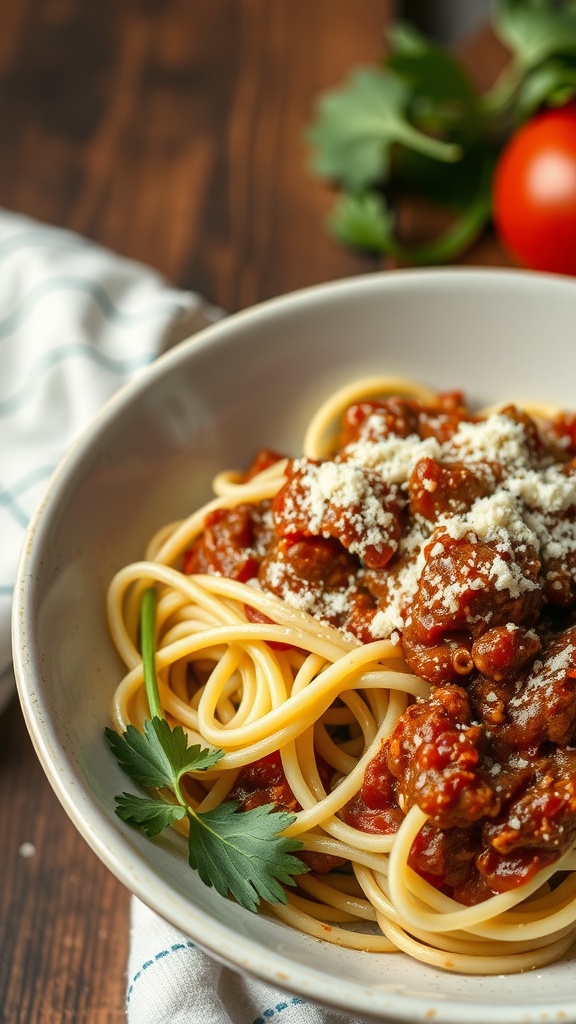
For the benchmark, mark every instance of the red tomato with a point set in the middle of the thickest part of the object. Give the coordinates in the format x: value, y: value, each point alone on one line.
x: 534, y: 193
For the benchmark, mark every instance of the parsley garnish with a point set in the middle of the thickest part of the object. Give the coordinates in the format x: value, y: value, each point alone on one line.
x: 237, y: 852
x: 415, y: 125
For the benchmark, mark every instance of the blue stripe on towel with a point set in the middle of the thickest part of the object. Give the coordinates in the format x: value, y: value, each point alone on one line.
x: 70, y: 282
x: 9, y: 495
x: 161, y: 955
x: 274, y: 1011
x: 42, y: 236
x: 121, y: 367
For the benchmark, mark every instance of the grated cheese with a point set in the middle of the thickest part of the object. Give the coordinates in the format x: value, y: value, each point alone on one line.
x: 530, y: 514
x: 394, y: 458
x: 343, y: 493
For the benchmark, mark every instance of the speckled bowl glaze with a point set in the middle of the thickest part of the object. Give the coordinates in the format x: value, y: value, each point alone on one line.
x: 251, y: 380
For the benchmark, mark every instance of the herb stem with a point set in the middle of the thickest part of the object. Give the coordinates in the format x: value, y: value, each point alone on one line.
x: 455, y: 240
x: 449, y: 152
x: 148, y: 645
x: 496, y: 101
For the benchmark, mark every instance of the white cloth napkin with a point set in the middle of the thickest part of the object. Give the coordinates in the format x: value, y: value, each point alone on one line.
x: 76, y: 322
x: 171, y: 981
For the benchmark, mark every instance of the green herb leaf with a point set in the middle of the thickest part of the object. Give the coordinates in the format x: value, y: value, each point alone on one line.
x: 364, y: 221
x: 160, y: 755
x: 241, y: 852
x: 357, y: 125
x: 235, y: 851
x: 449, y: 186
x: 417, y: 126
x: 553, y: 84
x: 148, y: 814
x: 536, y: 29
x: 442, y: 98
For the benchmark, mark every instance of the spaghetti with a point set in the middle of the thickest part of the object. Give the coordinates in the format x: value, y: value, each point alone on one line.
x: 380, y: 637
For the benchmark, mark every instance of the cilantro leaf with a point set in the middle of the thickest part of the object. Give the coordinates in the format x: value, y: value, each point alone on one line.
x: 241, y: 852
x: 363, y: 220
x: 415, y: 125
x: 442, y: 97
x: 160, y: 755
x: 553, y: 83
x: 536, y: 29
x: 235, y: 851
x: 148, y: 814
x: 357, y: 125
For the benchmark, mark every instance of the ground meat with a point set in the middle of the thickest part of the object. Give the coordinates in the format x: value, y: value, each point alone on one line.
x: 500, y: 808
x: 542, y: 814
x: 232, y: 543
x: 445, y: 858
x: 458, y: 592
x: 435, y: 488
x: 263, y: 459
x: 313, y: 560
x: 535, y: 442
x: 466, y: 558
x: 505, y: 650
x: 318, y: 571
x: 340, y: 500
x: 563, y: 429
x: 493, y: 824
x: 559, y: 570
x: 264, y: 782
x: 538, y: 705
x: 436, y: 753
x: 537, y: 823
x: 374, y: 421
x: 361, y: 609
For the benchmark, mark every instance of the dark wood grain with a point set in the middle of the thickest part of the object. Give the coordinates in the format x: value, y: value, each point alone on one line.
x: 171, y: 131
x: 63, y: 917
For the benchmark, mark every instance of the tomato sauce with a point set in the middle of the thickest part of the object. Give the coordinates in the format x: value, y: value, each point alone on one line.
x: 456, y: 536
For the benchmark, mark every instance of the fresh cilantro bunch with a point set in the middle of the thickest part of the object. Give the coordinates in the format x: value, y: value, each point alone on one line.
x: 416, y: 126
x: 237, y: 852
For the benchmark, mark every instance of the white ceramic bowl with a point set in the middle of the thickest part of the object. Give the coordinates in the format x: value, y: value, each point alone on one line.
x: 250, y: 380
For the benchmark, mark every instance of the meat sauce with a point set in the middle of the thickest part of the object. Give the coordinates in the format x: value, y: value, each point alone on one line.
x: 455, y: 536
x: 264, y: 782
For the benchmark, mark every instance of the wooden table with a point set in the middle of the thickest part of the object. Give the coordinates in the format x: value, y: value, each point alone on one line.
x: 170, y: 131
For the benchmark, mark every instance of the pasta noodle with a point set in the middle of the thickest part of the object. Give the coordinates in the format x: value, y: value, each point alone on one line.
x: 254, y: 671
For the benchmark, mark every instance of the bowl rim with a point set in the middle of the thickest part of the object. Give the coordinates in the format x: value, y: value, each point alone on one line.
x: 110, y: 844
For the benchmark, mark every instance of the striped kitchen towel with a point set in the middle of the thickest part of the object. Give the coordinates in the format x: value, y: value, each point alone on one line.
x: 76, y: 322
x: 172, y: 981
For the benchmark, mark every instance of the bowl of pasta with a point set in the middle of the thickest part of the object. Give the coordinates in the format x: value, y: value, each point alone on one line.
x: 295, y: 639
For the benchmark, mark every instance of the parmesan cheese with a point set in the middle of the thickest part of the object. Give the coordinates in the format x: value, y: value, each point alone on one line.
x: 529, y: 514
